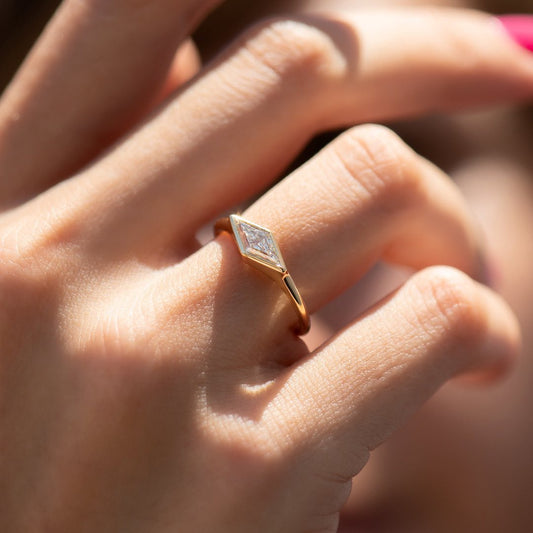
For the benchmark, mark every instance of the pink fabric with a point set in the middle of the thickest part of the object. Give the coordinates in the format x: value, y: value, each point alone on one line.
x: 520, y: 27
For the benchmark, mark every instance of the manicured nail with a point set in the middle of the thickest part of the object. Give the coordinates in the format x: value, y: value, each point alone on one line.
x: 520, y: 28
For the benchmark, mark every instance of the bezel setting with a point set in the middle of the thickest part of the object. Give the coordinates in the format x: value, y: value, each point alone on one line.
x: 257, y: 244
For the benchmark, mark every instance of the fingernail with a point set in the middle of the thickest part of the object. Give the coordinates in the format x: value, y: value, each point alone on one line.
x: 520, y: 28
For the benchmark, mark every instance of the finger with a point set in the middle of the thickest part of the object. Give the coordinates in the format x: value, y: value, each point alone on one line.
x: 256, y: 108
x: 93, y: 73
x: 347, y: 398
x: 365, y: 197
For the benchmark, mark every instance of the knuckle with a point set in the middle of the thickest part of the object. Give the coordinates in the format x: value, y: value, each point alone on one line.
x: 25, y: 263
x: 125, y: 325
x: 451, y: 309
x: 137, y: 322
x: 292, y: 48
x: 118, y: 346
x: 29, y: 291
x: 36, y: 241
x: 132, y: 351
x: 382, y: 165
x: 43, y: 239
x: 117, y: 331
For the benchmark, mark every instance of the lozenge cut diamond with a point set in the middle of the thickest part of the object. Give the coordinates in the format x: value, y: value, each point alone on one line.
x: 259, y: 243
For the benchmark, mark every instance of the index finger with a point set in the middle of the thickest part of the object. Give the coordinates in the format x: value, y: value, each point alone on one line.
x: 93, y: 72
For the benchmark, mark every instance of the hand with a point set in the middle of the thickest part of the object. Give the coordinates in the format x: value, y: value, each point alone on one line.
x: 148, y: 383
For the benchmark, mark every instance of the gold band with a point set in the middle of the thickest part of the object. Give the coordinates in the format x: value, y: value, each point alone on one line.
x: 259, y: 249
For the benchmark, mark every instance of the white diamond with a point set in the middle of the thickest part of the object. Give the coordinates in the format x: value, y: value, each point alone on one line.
x: 259, y: 243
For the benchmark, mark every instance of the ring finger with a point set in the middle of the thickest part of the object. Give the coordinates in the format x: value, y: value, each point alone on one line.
x: 365, y: 197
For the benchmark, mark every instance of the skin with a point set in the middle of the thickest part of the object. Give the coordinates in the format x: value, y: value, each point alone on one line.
x: 127, y: 401
x: 469, y: 447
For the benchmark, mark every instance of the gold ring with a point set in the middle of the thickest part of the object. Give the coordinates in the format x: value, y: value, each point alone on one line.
x: 260, y: 250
